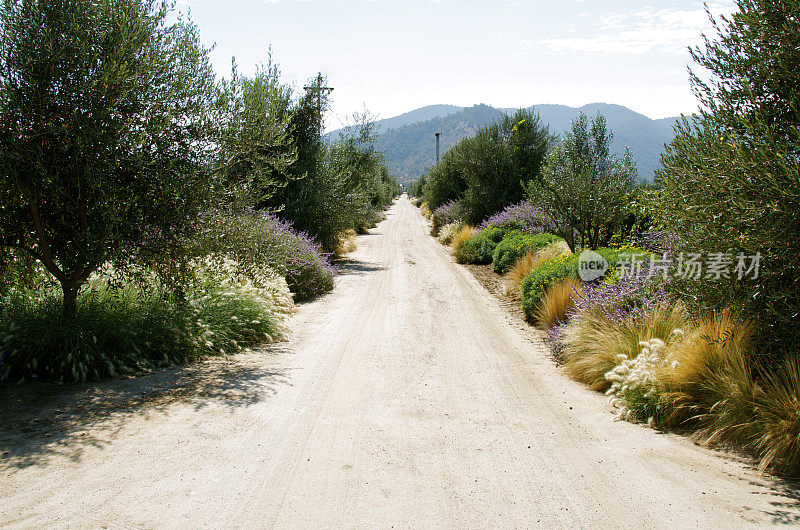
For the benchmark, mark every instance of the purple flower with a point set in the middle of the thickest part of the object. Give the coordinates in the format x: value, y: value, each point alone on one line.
x: 634, y: 296
x: 532, y: 219
x: 449, y: 212
x: 262, y: 239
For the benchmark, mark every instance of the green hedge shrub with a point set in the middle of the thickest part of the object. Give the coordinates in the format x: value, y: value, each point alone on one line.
x: 479, y: 249
x: 515, y: 245
x: 538, y: 280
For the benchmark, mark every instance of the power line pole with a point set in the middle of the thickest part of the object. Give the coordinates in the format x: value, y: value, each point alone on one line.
x: 437, y: 146
x: 320, y: 91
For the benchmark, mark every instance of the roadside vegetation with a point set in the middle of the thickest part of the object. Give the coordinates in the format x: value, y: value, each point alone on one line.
x: 151, y: 213
x: 693, y: 326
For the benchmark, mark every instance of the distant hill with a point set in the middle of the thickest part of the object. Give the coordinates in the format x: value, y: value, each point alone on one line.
x: 415, y: 116
x: 408, y: 144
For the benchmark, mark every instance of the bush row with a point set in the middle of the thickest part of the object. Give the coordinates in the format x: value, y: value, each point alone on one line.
x: 128, y: 326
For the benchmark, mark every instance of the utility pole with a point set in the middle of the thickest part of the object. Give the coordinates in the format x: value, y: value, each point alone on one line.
x: 320, y: 91
x: 437, y: 146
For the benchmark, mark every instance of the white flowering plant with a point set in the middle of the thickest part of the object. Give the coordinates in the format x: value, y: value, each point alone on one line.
x: 448, y: 231
x: 635, y: 390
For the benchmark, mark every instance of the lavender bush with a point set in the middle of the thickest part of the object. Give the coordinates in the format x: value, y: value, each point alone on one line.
x: 532, y: 219
x: 634, y: 296
x: 258, y: 240
x: 447, y: 213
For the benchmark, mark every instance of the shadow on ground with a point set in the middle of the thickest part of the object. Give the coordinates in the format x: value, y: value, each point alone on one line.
x: 353, y: 266
x: 786, y: 510
x: 38, y: 420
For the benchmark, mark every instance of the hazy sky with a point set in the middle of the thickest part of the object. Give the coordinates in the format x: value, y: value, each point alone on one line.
x: 393, y: 56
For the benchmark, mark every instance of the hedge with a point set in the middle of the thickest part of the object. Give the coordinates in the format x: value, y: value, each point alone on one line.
x: 479, y: 249
x: 515, y: 245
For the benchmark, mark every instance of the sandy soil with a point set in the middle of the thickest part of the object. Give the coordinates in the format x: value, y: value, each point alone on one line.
x: 408, y: 397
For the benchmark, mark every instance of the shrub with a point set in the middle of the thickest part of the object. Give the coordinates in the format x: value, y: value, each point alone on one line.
x: 515, y: 245
x: 369, y: 219
x: 258, y: 240
x: 480, y: 248
x: 347, y: 242
x: 449, y: 231
x: 557, y: 301
x: 552, y: 271
x: 135, y: 327
x: 449, y: 212
x: 425, y: 211
x: 594, y: 344
x: 730, y: 180
x: 530, y: 261
x: 462, y: 236
x: 531, y: 219
x: 635, y: 387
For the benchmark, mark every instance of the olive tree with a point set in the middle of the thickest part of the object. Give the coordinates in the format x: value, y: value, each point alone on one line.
x: 488, y: 171
x: 104, y: 136
x: 583, y: 187
x: 254, y: 126
x: 731, y: 176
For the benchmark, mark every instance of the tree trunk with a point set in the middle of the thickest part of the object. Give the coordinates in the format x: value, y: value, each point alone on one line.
x: 70, y: 290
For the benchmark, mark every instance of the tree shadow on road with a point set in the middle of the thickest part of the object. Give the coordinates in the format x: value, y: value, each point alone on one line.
x: 39, y: 420
x: 353, y: 266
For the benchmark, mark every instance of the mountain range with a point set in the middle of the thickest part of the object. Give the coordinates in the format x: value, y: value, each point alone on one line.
x: 408, y: 144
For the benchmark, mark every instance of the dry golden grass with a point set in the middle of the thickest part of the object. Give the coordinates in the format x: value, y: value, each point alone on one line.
x: 530, y: 261
x: 557, y: 300
x: 462, y: 236
x: 775, y: 428
x: 425, y: 210
x: 705, y: 361
x: 714, y: 387
x: 593, y: 344
x: 347, y: 242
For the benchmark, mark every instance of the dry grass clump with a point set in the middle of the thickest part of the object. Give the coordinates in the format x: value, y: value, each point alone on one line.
x: 713, y: 386
x: 710, y: 365
x: 594, y: 344
x: 425, y: 210
x: 776, y: 419
x: 557, y: 300
x: 462, y: 236
x: 530, y: 261
x: 347, y: 242
x: 448, y: 231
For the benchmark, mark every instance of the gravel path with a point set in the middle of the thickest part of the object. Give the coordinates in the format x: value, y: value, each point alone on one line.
x: 408, y: 397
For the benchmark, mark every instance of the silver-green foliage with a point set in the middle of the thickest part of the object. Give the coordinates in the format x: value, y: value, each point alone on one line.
x: 583, y: 187
x: 105, y: 113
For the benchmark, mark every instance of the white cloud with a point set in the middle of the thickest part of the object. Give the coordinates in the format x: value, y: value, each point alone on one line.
x: 648, y: 30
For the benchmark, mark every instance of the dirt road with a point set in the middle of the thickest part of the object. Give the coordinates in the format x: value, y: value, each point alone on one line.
x: 408, y: 397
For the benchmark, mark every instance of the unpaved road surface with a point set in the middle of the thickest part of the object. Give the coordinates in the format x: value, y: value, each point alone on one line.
x: 408, y: 397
